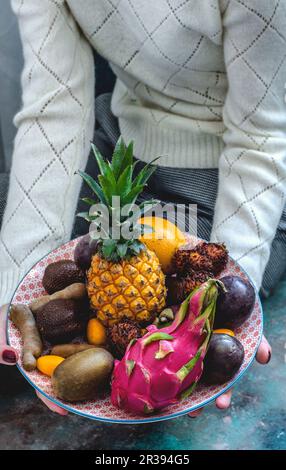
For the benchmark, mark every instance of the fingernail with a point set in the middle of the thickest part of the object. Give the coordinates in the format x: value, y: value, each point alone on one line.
x: 269, y: 357
x: 223, y: 403
x: 9, y: 357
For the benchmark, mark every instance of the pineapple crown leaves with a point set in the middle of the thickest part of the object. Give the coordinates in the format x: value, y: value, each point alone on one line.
x: 116, y: 178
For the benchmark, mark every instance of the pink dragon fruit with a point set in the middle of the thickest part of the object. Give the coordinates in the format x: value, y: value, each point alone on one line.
x: 166, y: 364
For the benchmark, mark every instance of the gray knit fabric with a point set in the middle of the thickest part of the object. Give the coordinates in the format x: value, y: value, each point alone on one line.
x: 4, y: 181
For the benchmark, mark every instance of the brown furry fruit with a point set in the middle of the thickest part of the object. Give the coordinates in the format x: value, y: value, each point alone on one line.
x: 217, y: 254
x: 205, y: 257
x: 121, y: 334
x: 180, y: 287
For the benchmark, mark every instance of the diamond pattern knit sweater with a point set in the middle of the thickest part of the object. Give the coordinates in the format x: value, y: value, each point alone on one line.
x: 201, y: 82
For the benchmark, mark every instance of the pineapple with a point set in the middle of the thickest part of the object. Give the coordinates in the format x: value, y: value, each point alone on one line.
x: 125, y: 279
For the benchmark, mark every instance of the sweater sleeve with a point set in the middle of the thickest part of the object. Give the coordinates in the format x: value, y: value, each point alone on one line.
x: 252, y: 168
x: 55, y: 126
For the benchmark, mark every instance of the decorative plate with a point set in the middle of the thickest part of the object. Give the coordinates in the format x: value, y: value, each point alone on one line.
x: 30, y: 288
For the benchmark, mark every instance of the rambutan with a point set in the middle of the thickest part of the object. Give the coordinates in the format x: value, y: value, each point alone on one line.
x: 179, y: 287
x: 216, y: 253
x: 186, y: 260
x: 205, y: 257
x: 121, y: 334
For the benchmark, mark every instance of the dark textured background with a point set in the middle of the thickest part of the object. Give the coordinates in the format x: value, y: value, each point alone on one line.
x: 256, y: 419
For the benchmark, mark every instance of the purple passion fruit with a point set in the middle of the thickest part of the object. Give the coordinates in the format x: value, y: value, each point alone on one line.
x: 84, y: 252
x: 223, y: 360
x: 235, y: 305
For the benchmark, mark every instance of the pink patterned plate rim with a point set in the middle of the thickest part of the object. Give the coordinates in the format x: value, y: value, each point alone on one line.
x: 250, y: 334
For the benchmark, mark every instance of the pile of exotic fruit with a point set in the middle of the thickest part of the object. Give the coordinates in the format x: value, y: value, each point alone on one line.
x: 144, y: 319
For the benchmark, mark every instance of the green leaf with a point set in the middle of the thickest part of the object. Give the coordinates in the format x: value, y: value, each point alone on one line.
x: 186, y: 393
x: 89, y: 201
x: 131, y: 197
x: 187, y: 368
x: 122, y: 157
x: 146, y: 172
x: 137, y: 247
x: 109, y: 242
x: 124, y: 183
x: 127, y: 158
x: 111, y: 180
x: 102, y: 165
x: 106, y: 189
x: 208, y: 312
x: 84, y: 215
x: 105, y: 168
x: 122, y: 250
x: 114, y: 257
x: 130, y: 364
x: 157, y: 337
x: 94, y: 186
x: 144, y: 175
x: 181, y: 314
x: 108, y: 247
x: 117, y: 157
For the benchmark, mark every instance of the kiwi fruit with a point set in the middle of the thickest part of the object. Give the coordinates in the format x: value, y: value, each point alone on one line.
x: 61, y: 321
x: 60, y: 275
x: 83, y: 375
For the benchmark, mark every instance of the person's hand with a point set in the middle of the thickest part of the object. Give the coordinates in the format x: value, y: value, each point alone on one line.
x: 8, y: 357
x: 263, y: 356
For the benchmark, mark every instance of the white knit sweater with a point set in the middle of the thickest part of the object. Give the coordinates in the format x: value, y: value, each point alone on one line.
x: 199, y: 81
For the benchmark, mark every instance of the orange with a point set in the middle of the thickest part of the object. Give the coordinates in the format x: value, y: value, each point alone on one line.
x: 165, y: 239
x: 224, y: 331
x: 48, y: 364
x: 96, y: 333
